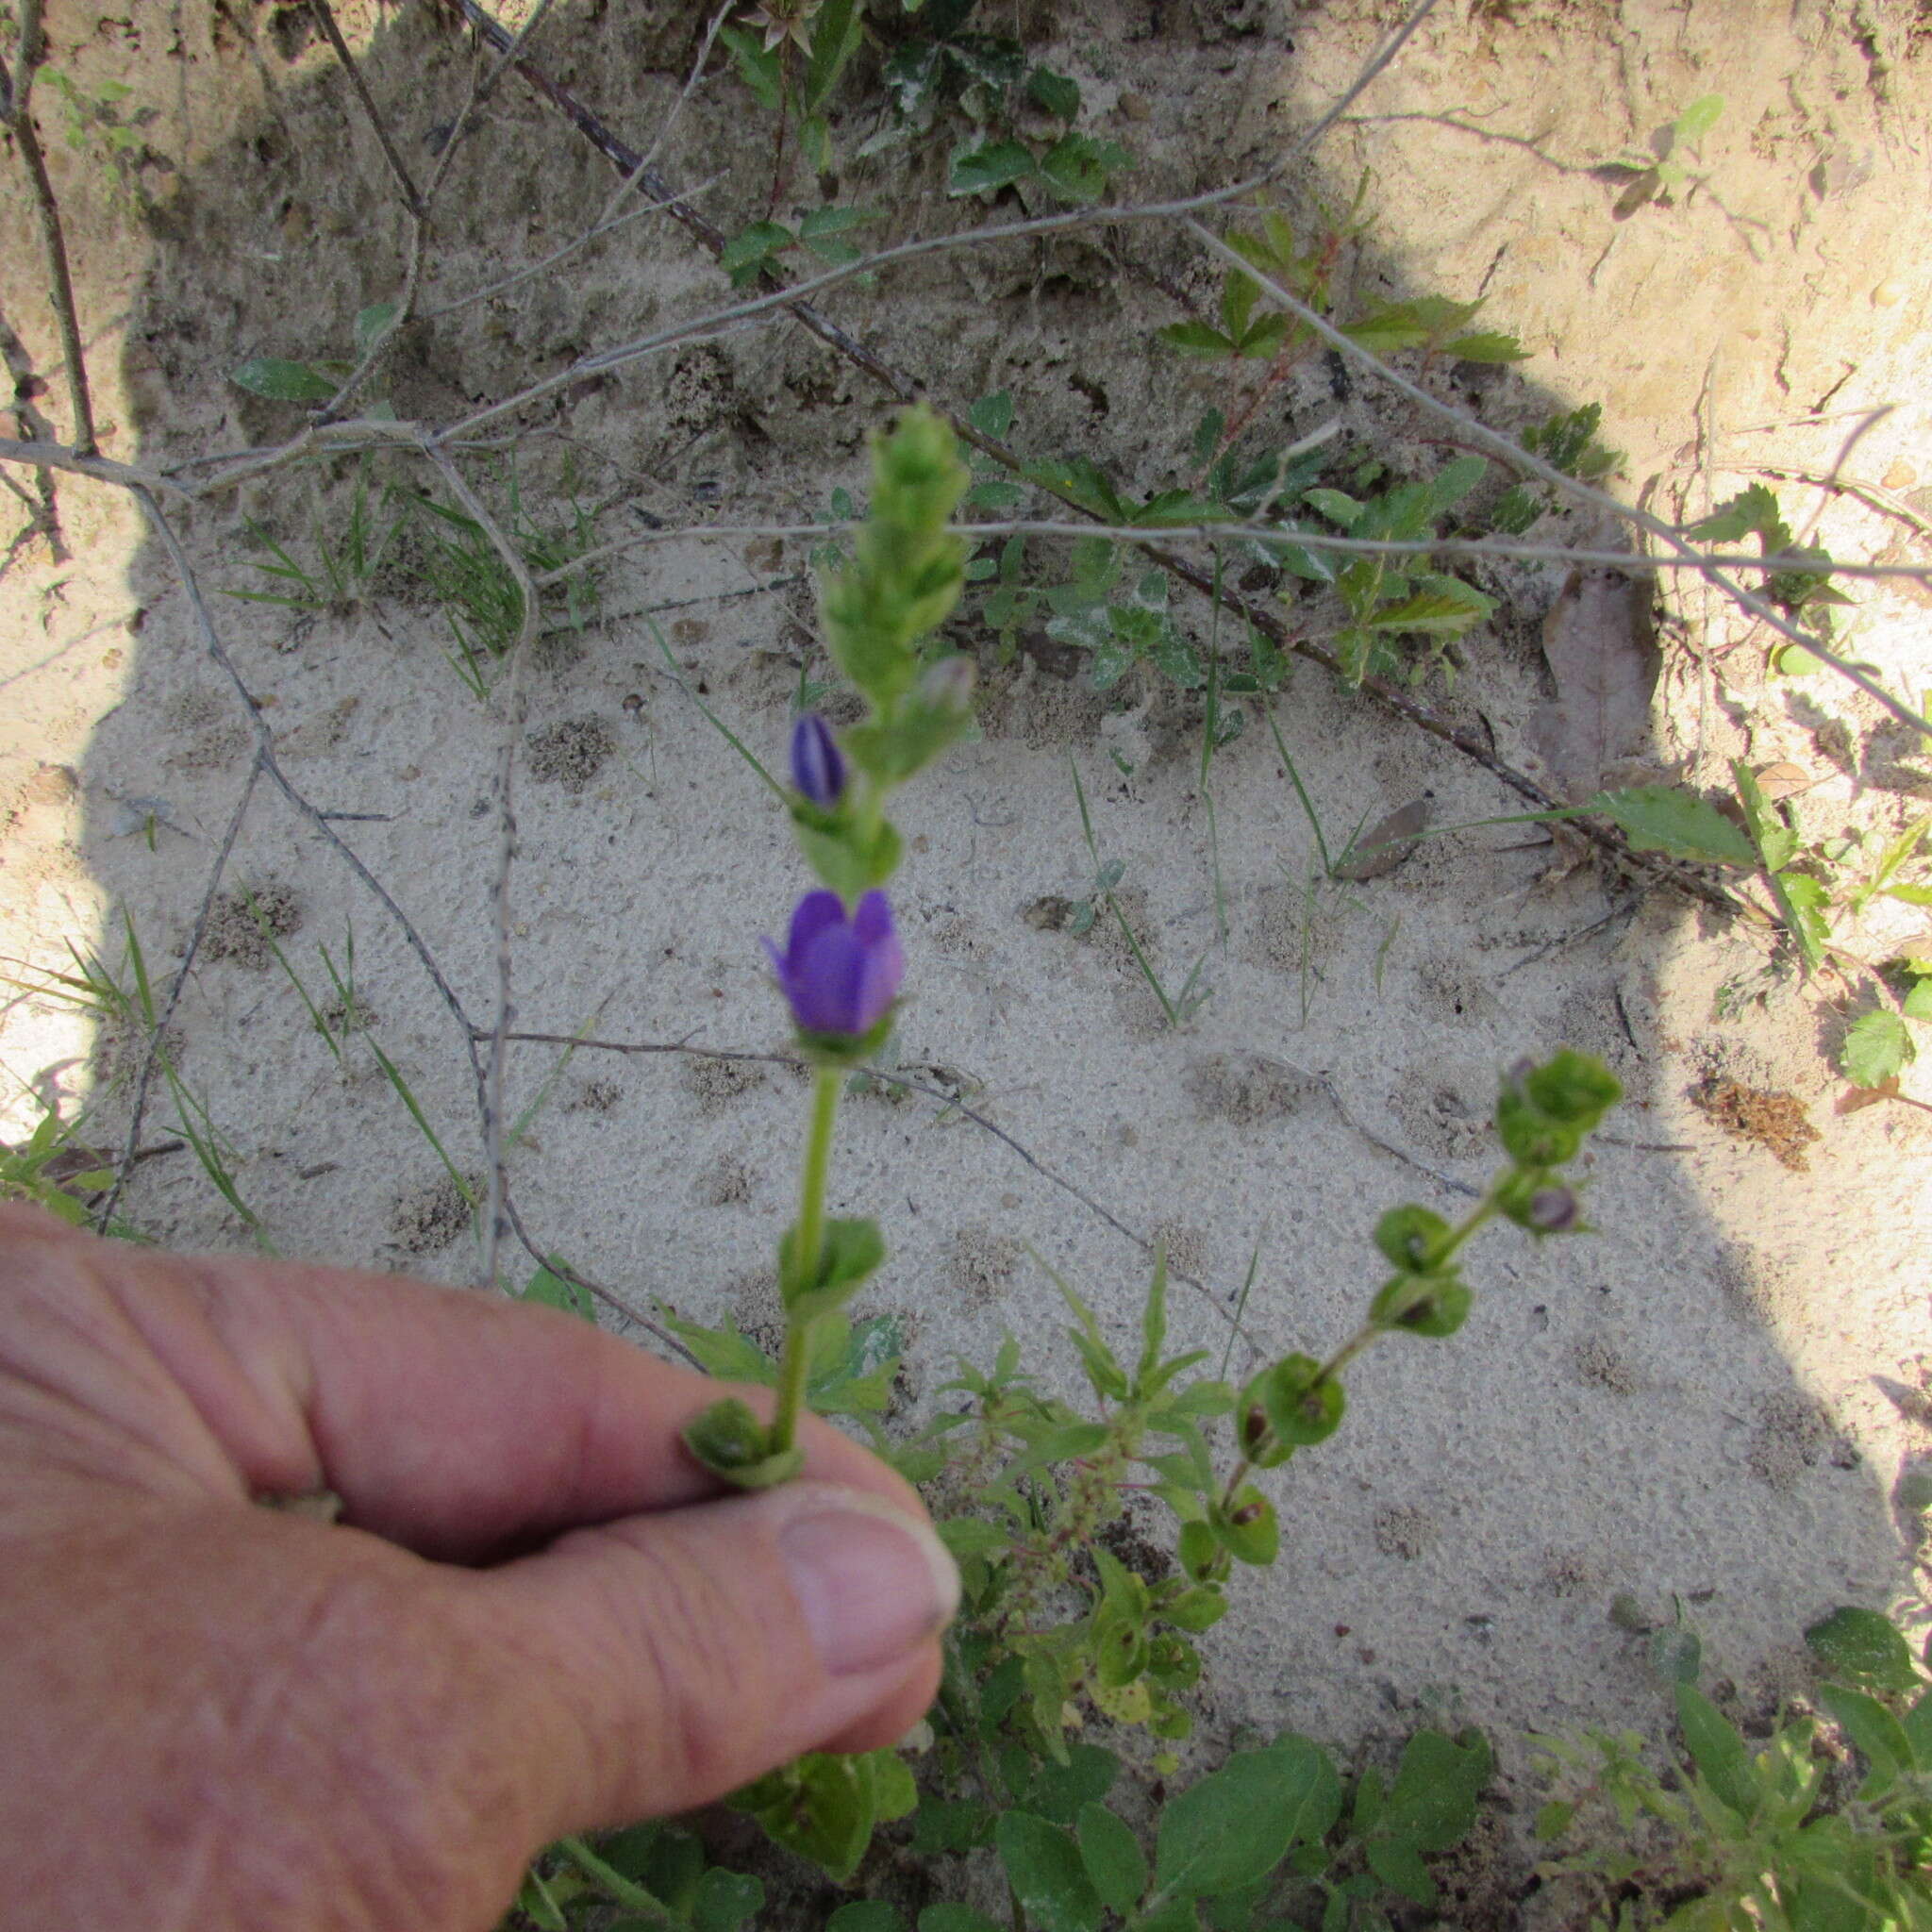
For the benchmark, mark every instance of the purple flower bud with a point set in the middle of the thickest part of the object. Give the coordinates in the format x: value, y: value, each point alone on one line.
x: 839, y: 975
x: 817, y: 768
x: 1554, y: 1210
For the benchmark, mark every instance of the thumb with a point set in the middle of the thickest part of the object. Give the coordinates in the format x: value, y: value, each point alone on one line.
x: 680, y: 1654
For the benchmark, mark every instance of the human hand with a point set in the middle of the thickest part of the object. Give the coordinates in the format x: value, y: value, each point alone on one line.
x: 536, y: 1616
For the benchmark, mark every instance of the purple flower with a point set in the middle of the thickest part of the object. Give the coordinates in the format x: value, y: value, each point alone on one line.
x: 817, y: 769
x: 840, y: 974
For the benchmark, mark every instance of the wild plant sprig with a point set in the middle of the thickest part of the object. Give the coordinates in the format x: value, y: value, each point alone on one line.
x: 843, y: 963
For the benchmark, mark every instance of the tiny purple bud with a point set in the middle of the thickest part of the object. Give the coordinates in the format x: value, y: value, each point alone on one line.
x: 1554, y: 1210
x: 838, y: 974
x: 817, y: 768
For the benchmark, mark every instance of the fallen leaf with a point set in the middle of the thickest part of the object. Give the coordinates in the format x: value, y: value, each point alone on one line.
x: 1856, y: 1099
x: 1385, y: 843
x: 1601, y: 646
x: 1784, y: 780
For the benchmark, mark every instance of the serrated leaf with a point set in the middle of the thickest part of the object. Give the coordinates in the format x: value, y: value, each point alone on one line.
x: 1673, y: 820
x: 1078, y: 167
x: 1486, y: 345
x: 992, y: 165
x: 752, y: 245
x: 1876, y: 1046
x: 283, y: 381
x: 1059, y: 94
x: 821, y: 222
x: 724, y: 1352
x: 1439, y: 610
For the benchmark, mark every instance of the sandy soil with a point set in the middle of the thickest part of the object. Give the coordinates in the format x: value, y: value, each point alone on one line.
x: 1712, y: 1398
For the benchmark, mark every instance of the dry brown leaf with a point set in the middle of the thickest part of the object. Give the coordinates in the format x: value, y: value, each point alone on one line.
x: 1784, y: 780
x: 1385, y: 843
x: 1856, y: 1099
x: 1601, y: 646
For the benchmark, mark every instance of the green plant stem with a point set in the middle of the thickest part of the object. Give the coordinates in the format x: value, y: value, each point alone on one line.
x: 826, y: 1082
x: 616, y: 1886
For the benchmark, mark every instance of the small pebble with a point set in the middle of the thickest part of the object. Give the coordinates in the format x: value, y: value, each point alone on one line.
x: 1888, y: 294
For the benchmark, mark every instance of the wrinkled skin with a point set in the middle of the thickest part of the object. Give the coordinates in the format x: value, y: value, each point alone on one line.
x: 535, y: 1616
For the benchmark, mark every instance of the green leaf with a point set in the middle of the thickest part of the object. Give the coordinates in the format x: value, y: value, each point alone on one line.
x: 1486, y: 345
x: 1112, y: 1855
x: 1864, y: 1645
x: 950, y: 1825
x: 992, y: 415
x: 1717, y: 1750
x: 821, y: 222
x: 725, y: 1900
x: 1232, y: 1827
x: 992, y: 165
x: 283, y: 381
x: 731, y: 1442
x: 866, y: 1915
x: 1553, y: 1820
x: 1673, y: 820
x: 1247, y: 1526
x: 758, y: 244
x: 1304, y: 1407
x: 1058, y: 1792
x: 820, y: 1807
x: 955, y: 1917
x: 1445, y: 608
x: 1196, y: 338
x: 1880, y: 1738
x: 850, y: 1249
x: 1918, y: 1001
x: 1044, y: 1868
x: 835, y: 34
x: 1059, y: 94
x: 1078, y: 167
x: 1876, y: 1046
x: 758, y: 66
x: 554, y: 1291
x: 1749, y: 513
x: 1453, y: 481
x: 1384, y: 330
x: 1433, y: 1800
x: 1802, y: 902
x: 1336, y: 505
x: 1699, y: 117
x: 1399, y: 1866
x: 371, y: 322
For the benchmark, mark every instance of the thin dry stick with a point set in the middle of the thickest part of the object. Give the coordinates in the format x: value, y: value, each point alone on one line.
x: 130, y: 1148
x: 16, y: 115
x: 412, y: 199
x: 1631, y: 563
x: 493, y: 1222
x: 1520, y: 459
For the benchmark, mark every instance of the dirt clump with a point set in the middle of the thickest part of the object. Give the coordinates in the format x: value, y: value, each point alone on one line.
x: 242, y: 926
x: 1776, y: 1122
x: 570, y: 753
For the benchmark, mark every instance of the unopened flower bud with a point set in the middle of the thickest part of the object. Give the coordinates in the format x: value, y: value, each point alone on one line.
x: 1255, y: 1426
x: 817, y: 768
x: 1249, y: 1513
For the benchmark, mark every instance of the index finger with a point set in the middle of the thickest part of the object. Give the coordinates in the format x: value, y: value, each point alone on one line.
x: 446, y: 1419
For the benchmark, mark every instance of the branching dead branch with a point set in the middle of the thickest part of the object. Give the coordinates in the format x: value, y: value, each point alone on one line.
x: 16, y: 115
